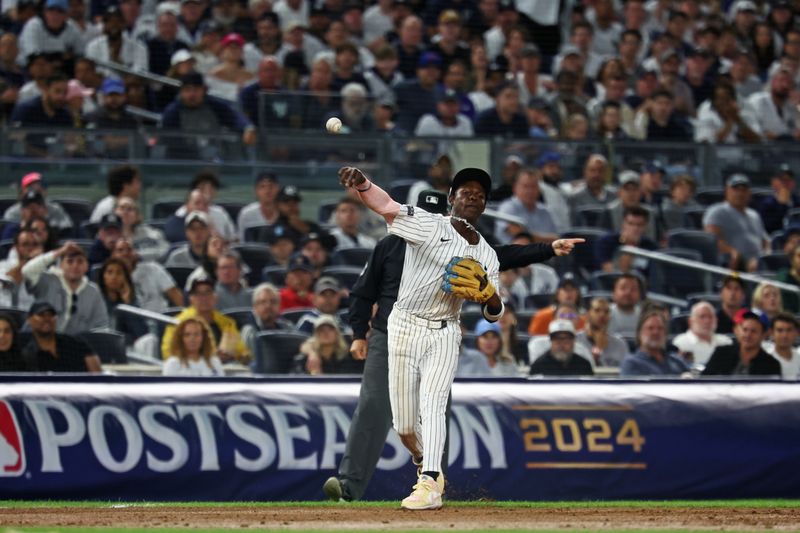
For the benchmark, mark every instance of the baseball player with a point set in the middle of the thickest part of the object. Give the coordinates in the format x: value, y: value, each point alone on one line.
x: 423, y: 330
x: 378, y: 284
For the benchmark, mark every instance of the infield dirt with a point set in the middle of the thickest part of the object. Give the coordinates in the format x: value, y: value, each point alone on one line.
x: 454, y: 518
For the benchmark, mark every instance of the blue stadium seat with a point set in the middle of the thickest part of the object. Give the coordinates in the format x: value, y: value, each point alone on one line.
x: 325, y: 210
x: 469, y: 318
x: 255, y: 256
x: 108, y: 345
x: 242, y: 315
x: 582, y: 259
x: 274, y: 274
x: 700, y: 241
x: 603, y: 281
x: 357, y: 257
x: 165, y: 208
x: 399, y: 189
x: 19, y: 315
x: 180, y: 275
x: 678, y: 324
x: 78, y: 209
x: 347, y: 275
x: 677, y: 280
x: 275, y: 351
x: 294, y: 315
x: 593, y: 216
x: 773, y: 262
x: 709, y: 195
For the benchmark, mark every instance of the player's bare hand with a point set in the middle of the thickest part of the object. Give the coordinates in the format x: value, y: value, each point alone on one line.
x: 358, y: 349
x: 565, y: 246
x: 351, y: 177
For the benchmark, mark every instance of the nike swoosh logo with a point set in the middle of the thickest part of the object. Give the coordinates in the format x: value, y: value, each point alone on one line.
x: 445, y: 240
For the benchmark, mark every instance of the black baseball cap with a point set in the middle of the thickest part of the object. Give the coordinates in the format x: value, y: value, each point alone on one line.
x: 471, y: 174
x: 266, y: 176
x: 41, y: 306
x: 326, y: 240
x: 448, y: 95
x: 289, y: 193
x: 299, y: 262
x: 432, y: 201
x: 32, y: 196
x: 276, y: 232
x: 192, y: 79
x: 110, y: 220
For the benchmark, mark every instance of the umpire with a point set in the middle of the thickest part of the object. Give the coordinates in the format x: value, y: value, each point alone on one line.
x: 379, y: 284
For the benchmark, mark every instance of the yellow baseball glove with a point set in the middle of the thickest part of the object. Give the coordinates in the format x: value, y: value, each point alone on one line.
x: 464, y: 277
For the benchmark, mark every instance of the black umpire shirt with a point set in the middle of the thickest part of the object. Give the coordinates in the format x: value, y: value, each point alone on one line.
x: 380, y: 280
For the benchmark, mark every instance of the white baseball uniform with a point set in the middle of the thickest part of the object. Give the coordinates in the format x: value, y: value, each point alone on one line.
x: 423, y: 331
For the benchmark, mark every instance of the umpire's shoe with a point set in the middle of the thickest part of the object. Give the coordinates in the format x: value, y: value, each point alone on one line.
x: 333, y: 489
x: 427, y: 494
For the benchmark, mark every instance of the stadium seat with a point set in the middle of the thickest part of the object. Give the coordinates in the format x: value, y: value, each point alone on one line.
x: 165, y: 208
x: 255, y: 256
x: 469, y: 340
x: 18, y: 315
x: 792, y: 217
x: 347, y: 275
x: 274, y: 274
x: 697, y: 240
x: 242, y: 315
x: 711, y: 297
x: 325, y: 210
x: 520, y: 350
x: 758, y: 195
x: 603, y: 281
x: 709, y: 195
x: 524, y: 317
x: 180, y: 275
x: 294, y: 315
x: 593, y: 216
x: 676, y: 280
x: 538, y: 301
x: 773, y: 262
x: 678, y: 324
x: 109, y: 345
x: 256, y: 233
x: 88, y: 230
x: 693, y: 217
x: 5, y: 246
x: 5, y: 203
x: 232, y: 208
x: 357, y: 257
x: 469, y: 318
x: 582, y: 260
x: 78, y: 209
x: 399, y: 189
x: 275, y: 351
x: 343, y: 315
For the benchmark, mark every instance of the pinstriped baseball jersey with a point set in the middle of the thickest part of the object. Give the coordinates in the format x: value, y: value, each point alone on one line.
x: 432, y: 243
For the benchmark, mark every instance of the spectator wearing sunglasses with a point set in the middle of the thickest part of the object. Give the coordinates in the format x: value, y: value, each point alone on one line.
x: 77, y: 301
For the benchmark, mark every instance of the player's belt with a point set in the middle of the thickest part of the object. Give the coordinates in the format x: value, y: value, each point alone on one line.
x: 424, y: 322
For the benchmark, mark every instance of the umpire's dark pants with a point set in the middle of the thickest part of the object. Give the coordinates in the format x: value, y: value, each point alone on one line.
x: 371, y: 422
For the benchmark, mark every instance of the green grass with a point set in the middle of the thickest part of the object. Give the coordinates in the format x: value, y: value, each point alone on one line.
x: 774, y: 503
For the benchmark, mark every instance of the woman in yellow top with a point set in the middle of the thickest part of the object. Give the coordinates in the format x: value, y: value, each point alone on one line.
x: 203, y: 303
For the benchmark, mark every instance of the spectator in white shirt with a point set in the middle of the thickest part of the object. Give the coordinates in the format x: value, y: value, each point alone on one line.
x: 720, y: 120
x: 115, y: 46
x: 525, y: 204
x: 447, y: 122
x: 774, y: 116
x: 701, y: 339
x: 348, y: 217
x: 291, y: 11
x: 785, y: 329
x: 51, y: 32
x: 123, y: 181
x: 264, y: 211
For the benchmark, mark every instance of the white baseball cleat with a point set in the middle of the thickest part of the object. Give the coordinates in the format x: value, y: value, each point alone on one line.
x: 427, y: 494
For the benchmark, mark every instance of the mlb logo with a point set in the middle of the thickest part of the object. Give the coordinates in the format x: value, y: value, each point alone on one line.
x: 12, y: 452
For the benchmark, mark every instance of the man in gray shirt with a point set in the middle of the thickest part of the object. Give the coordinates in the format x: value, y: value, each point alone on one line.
x: 525, y: 204
x: 264, y: 211
x: 627, y: 295
x: 629, y: 195
x: 594, y: 191
x: 56, y: 216
x: 78, y: 302
x: 739, y: 230
x: 231, y: 290
x: 606, y: 349
x: 190, y: 255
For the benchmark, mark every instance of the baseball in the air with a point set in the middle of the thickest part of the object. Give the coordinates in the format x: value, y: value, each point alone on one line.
x: 333, y: 125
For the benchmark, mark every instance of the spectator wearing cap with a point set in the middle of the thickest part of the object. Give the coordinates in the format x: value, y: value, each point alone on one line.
x: 52, y: 350
x: 278, y: 109
x: 155, y: 288
x: 607, y: 30
x: 530, y: 81
x: 785, y: 330
x: 174, y: 227
x: 208, y: 184
x: 567, y: 293
x: 326, y: 351
x: 697, y: 343
x: 447, y: 121
x: 109, y: 230
x: 190, y: 21
x: 56, y: 216
x: 203, y: 304
x: 669, y: 79
x: 162, y: 47
x: 38, y: 68
x: 607, y: 349
x: 266, y: 305
x: 504, y: 119
x: 496, y: 37
x: 204, y: 48
x: 282, y: 241
x: 626, y: 304
x: 298, y: 42
x: 561, y: 359
x: 652, y: 357
x: 197, y: 112
x: 264, y: 211
x: 198, y: 232
x: 292, y: 12
x: 743, y: 14
x: 115, y: 46
x: 594, y: 192
x: 347, y: 217
x: 746, y: 356
x: 651, y: 180
x: 658, y: 119
x: 123, y: 181
x: 26, y: 247
x: 632, y: 232
x: 48, y: 110
x: 680, y: 200
x: 447, y: 41
x: 51, y: 32
x: 490, y: 357
x: 148, y: 241
x: 743, y: 75
x: 699, y: 76
x: 614, y: 87
x: 229, y: 76
x: 775, y: 116
x: 77, y: 300
x: 288, y: 202
x: 378, y: 21
x: 773, y: 209
x: 384, y: 75
x: 231, y: 288
x: 326, y: 300
x: 720, y: 120
x: 738, y: 228
x: 319, y: 102
x: 732, y: 296
x: 580, y: 42
x: 299, y: 283
x: 409, y: 46
x: 629, y: 195
x: 567, y: 100
x: 417, y: 96
x: 526, y: 204
x: 317, y: 247
x: 32, y: 207
x: 113, y: 115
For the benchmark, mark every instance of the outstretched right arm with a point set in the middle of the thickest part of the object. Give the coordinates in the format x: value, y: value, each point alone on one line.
x: 373, y: 196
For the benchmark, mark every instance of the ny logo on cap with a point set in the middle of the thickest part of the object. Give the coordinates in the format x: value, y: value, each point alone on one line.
x: 432, y: 199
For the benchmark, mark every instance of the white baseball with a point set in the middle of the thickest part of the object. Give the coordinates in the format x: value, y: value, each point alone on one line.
x: 333, y: 125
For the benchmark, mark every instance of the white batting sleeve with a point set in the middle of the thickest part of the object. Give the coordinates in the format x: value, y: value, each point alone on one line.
x: 412, y: 224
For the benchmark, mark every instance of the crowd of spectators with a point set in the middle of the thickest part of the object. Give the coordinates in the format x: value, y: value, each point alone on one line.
x: 667, y: 70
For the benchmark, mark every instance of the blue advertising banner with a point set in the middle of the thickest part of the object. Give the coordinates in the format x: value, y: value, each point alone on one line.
x: 157, y: 439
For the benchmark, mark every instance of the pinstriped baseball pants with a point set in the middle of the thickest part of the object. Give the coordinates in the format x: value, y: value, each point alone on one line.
x: 422, y: 365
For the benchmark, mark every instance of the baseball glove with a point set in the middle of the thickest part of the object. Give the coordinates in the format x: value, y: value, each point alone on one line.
x: 464, y: 277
